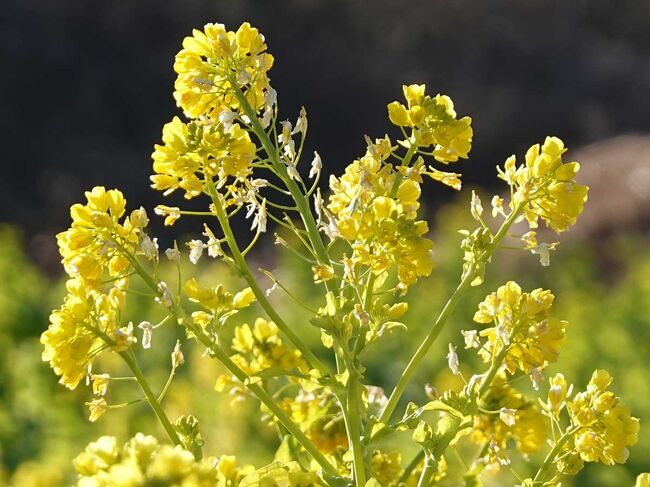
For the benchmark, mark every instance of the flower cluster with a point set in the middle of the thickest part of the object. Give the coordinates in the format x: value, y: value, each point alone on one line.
x: 143, y: 461
x: 94, y: 249
x: 375, y: 209
x: 523, y: 333
x: 72, y: 338
x: 259, y: 349
x: 219, y: 304
x: 434, y: 123
x: 200, y: 151
x: 509, y: 416
x: 319, y: 415
x: 91, y: 246
x: 214, y: 63
x: 606, y: 429
x: 544, y: 187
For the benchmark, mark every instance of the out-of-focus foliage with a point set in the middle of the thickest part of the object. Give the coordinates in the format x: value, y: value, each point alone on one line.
x: 601, y: 289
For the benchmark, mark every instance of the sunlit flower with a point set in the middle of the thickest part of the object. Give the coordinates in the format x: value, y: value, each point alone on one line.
x: 214, y: 62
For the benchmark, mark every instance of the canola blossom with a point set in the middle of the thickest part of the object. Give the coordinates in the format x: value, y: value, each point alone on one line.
x: 366, y: 242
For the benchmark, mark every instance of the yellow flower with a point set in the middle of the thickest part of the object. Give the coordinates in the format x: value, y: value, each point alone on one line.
x: 97, y: 407
x: 528, y: 429
x: 606, y: 427
x: 97, y: 456
x: 322, y: 273
x: 215, y: 62
x: 100, y: 383
x: 90, y: 246
x: 376, y: 213
x: 522, y: 327
x: 71, y: 340
x: 171, y: 214
x: 643, y: 480
x: 434, y: 122
x: 260, y: 348
x: 143, y: 461
x: 95, y: 249
x: 557, y: 393
x: 544, y: 187
x: 220, y: 303
x: 196, y: 151
x: 385, y: 467
x: 319, y: 416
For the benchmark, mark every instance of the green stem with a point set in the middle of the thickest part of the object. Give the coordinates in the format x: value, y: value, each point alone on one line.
x: 410, y: 467
x: 424, y: 347
x: 138, y: 376
x: 302, y: 203
x: 151, y: 398
x: 353, y: 422
x: 427, y: 472
x: 242, y: 266
x: 405, y: 162
x: 543, y: 471
x: 258, y: 391
x: 268, y: 401
x: 494, y: 368
x: 451, y: 304
x: 451, y: 428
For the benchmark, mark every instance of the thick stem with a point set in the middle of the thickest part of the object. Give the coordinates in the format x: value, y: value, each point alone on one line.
x: 153, y: 401
x: 452, y: 426
x: 250, y: 280
x: 352, y: 416
x: 405, y: 162
x: 424, y: 347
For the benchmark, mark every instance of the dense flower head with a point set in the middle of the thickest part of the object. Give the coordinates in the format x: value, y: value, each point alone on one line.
x: 143, y: 461
x: 522, y: 327
x: 524, y: 424
x: 214, y: 62
x: 606, y: 427
x: 257, y: 349
x: 198, y: 151
x: 319, y: 416
x: 545, y: 186
x: 94, y: 251
x: 434, y: 122
x: 91, y: 246
x: 375, y: 211
x: 71, y: 340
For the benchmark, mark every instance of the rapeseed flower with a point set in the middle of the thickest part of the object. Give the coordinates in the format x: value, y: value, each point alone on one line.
x: 606, y: 428
x: 434, y: 123
x: 214, y: 62
x: 544, y: 187
x: 522, y: 328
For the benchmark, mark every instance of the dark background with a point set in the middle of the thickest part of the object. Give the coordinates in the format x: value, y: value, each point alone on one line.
x: 87, y: 86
